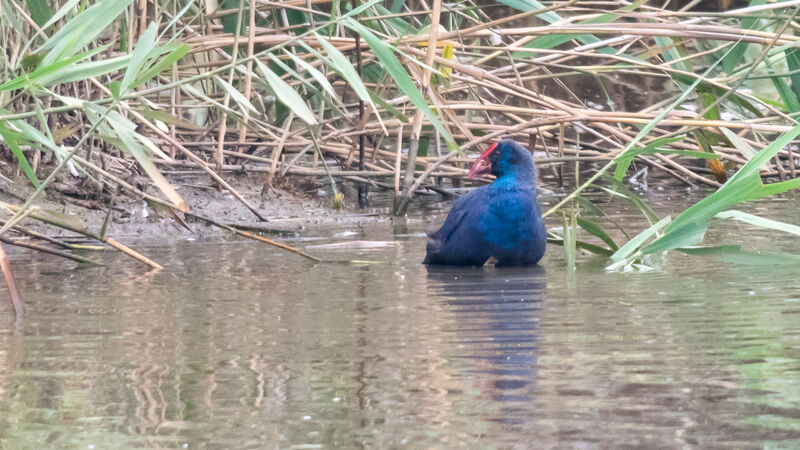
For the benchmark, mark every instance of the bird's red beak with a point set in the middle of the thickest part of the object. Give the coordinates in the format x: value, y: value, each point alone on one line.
x: 482, y: 167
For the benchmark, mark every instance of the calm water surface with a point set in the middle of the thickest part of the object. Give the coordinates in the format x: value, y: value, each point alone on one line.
x: 236, y: 345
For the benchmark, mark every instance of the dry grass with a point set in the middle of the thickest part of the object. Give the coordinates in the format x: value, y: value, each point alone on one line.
x: 437, y: 74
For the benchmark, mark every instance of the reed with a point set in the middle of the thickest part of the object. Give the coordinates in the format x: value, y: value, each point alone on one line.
x: 273, y: 87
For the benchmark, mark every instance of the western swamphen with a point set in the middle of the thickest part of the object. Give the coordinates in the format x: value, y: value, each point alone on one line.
x: 501, y: 220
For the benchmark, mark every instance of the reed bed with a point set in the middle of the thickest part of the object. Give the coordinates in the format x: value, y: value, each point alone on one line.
x: 395, y: 95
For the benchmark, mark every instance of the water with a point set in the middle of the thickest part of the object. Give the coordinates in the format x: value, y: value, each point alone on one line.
x: 237, y: 345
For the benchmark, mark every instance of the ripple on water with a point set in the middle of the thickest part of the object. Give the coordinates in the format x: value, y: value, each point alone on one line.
x: 233, y: 347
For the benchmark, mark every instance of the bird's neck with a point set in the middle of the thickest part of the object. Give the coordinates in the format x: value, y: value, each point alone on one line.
x: 518, y: 176
x: 514, y: 183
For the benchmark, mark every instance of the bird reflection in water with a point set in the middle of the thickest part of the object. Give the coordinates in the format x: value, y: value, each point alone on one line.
x: 496, y: 318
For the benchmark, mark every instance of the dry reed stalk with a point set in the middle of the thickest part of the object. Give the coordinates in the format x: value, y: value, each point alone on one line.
x: 416, y: 125
x: 132, y: 253
x: 51, y: 251
x: 248, y: 82
x: 225, y: 102
x: 491, y: 89
x: 276, y: 152
x: 200, y: 162
x: 37, y: 235
x: 66, y: 226
x: 133, y: 190
x: 16, y: 300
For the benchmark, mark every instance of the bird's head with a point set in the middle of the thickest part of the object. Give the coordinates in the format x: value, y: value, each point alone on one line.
x: 503, y: 158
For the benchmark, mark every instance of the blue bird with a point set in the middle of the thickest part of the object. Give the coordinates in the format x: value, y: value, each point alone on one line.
x: 501, y: 220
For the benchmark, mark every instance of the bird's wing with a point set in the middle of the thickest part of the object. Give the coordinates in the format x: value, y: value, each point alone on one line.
x: 462, y: 208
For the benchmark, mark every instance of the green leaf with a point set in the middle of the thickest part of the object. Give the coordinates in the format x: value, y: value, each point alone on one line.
x: 61, y: 219
x: 734, y: 57
x: 762, y: 157
x: 597, y: 230
x: 237, y: 96
x: 389, y: 108
x: 43, y: 71
x: 758, y: 221
x: 670, y: 52
x: 793, y: 64
x: 345, y: 68
x: 397, y: 25
x: 125, y: 130
x: 287, y: 95
x: 116, y: 89
x: 229, y: 21
x: 176, y: 52
x: 588, y: 208
x: 361, y: 8
x: 66, y: 8
x: 744, y: 148
x: 146, y: 43
x: 30, y: 62
x: 690, y: 234
x: 570, y: 239
x: 384, y: 53
x: 775, y: 188
x: 790, y: 100
x: 11, y: 139
x: 743, y: 186
x: 290, y: 70
x: 316, y: 74
x: 735, y: 254
x: 33, y: 134
x: 629, y: 195
x: 532, y: 5
x: 624, y: 160
x: 729, y: 194
x: 84, y: 71
x: 554, y: 40
x: 626, y: 250
x: 81, y: 30
x: 40, y: 11
x: 596, y: 249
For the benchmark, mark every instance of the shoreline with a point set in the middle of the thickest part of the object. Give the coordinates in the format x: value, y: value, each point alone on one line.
x: 136, y: 222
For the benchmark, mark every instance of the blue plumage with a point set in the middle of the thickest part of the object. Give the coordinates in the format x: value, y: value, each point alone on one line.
x: 500, y: 220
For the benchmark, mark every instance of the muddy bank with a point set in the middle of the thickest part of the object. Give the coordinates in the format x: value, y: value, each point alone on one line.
x: 289, y: 210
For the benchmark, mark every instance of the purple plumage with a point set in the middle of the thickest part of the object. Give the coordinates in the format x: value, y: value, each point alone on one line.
x: 501, y: 220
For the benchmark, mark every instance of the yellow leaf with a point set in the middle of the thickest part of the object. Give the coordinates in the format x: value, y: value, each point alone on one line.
x: 447, y: 53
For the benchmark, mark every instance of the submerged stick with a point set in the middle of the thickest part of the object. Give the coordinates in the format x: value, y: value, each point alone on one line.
x: 107, y: 240
x: 16, y: 301
x: 362, y: 187
x: 132, y: 253
x: 249, y: 235
x: 276, y: 244
x: 41, y: 236
x: 51, y: 251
